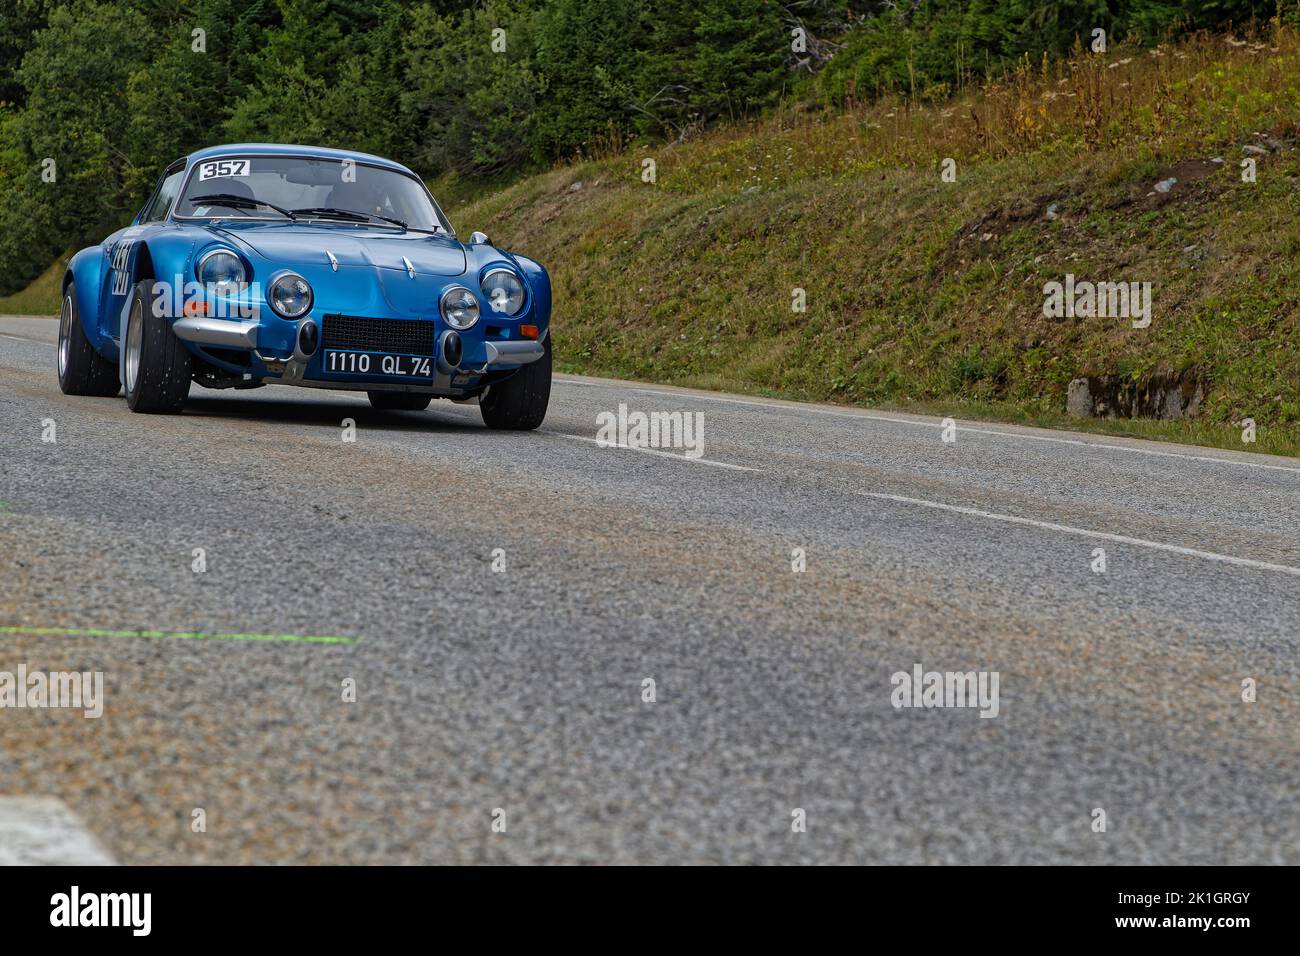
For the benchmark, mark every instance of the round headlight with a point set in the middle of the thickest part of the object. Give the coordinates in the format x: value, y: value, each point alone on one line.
x: 290, y: 295
x: 459, y: 308
x: 222, y: 271
x: 504, y: 291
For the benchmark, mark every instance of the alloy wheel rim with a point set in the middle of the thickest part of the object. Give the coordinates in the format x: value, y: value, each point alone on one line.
x: 65, y: 335
x: 134, y: 340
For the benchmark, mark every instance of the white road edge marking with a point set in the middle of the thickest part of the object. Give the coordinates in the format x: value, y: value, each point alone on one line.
x: 655, y: 451
x: 1084, y: 532
x: 1011, y: 519
x: 877, y: 417
x: 19, y: 338
x: 42, y: 831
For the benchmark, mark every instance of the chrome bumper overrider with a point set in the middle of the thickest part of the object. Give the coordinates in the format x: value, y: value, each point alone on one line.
x: 226, y: 333
x: 513, y: 353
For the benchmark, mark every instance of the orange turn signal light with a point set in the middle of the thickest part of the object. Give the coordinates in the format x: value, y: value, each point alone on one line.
x: 528, y: 331
x: 195, y: 307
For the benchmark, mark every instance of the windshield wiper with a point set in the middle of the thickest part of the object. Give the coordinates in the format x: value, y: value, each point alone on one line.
x: 238, y: 202
x: 351, y: 215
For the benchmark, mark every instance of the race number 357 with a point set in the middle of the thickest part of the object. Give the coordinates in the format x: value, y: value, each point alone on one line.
x: 222, y: 168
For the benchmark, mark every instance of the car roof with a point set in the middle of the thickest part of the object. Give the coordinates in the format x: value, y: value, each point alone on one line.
x: 283, y: 149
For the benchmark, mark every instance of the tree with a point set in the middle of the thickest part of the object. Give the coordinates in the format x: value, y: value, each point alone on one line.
x: 740, y: 51
x: 586, y: 58
x: 471, y: 94
x: 77, y: 115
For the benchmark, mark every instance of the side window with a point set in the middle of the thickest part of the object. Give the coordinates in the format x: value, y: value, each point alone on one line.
x: 166, y: 194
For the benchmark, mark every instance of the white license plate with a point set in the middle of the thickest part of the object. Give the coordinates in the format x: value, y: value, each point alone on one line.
x: 378, y: 363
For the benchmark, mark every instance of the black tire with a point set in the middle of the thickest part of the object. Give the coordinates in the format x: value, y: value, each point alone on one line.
x: 519, y: 403
x: 155, y: 363
x: 399, y: 401
x: 82, y: 370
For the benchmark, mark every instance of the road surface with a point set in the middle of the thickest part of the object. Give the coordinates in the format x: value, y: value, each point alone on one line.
x: 517, y: 696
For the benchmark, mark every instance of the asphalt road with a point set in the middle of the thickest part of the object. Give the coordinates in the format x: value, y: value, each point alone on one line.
x: 521, y: 690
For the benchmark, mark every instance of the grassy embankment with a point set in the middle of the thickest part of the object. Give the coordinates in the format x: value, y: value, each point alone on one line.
x: 927, y: 295
x: 41, y: 297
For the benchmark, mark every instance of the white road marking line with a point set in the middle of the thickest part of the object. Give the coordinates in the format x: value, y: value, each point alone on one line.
x: 1084, y: 532
x: 19, y: 338
x: 655, y: 451
x: 1014, y: 519
x: 42, y: 831
x: 1138, y: 451
x: 876, y: 416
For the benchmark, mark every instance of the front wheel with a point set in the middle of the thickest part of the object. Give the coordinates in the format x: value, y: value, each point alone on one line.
x: 519, y: 403
x: 155, y: 363
x: 399, y: 401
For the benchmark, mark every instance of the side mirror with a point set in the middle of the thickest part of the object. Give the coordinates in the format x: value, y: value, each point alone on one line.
x: 479, y: 239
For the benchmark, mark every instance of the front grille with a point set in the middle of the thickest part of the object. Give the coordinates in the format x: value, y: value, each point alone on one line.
x: 400, y: 336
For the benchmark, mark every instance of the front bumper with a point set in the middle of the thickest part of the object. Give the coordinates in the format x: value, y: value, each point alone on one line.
x: 276, y: 350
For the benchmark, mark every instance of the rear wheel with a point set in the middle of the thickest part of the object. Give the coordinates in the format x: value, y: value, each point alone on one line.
x: 82, y: 370
x: 519, y: 403
x: 156, y: 364
x: 399, y: 401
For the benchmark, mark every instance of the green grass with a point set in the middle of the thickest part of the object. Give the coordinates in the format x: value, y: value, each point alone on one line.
x: 41, y: 297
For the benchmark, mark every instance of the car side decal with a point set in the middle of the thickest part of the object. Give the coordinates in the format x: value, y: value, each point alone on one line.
x: 121, y: 274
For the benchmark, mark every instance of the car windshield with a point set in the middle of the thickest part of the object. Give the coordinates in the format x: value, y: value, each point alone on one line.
x: 309, y: 188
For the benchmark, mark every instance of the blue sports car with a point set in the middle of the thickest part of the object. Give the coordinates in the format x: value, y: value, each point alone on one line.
x: 305, y: 266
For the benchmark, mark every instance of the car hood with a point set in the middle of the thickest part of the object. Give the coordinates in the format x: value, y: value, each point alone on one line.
x: 290, y: 244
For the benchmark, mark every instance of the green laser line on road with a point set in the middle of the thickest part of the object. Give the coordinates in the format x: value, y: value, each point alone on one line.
x: 178, y: 635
